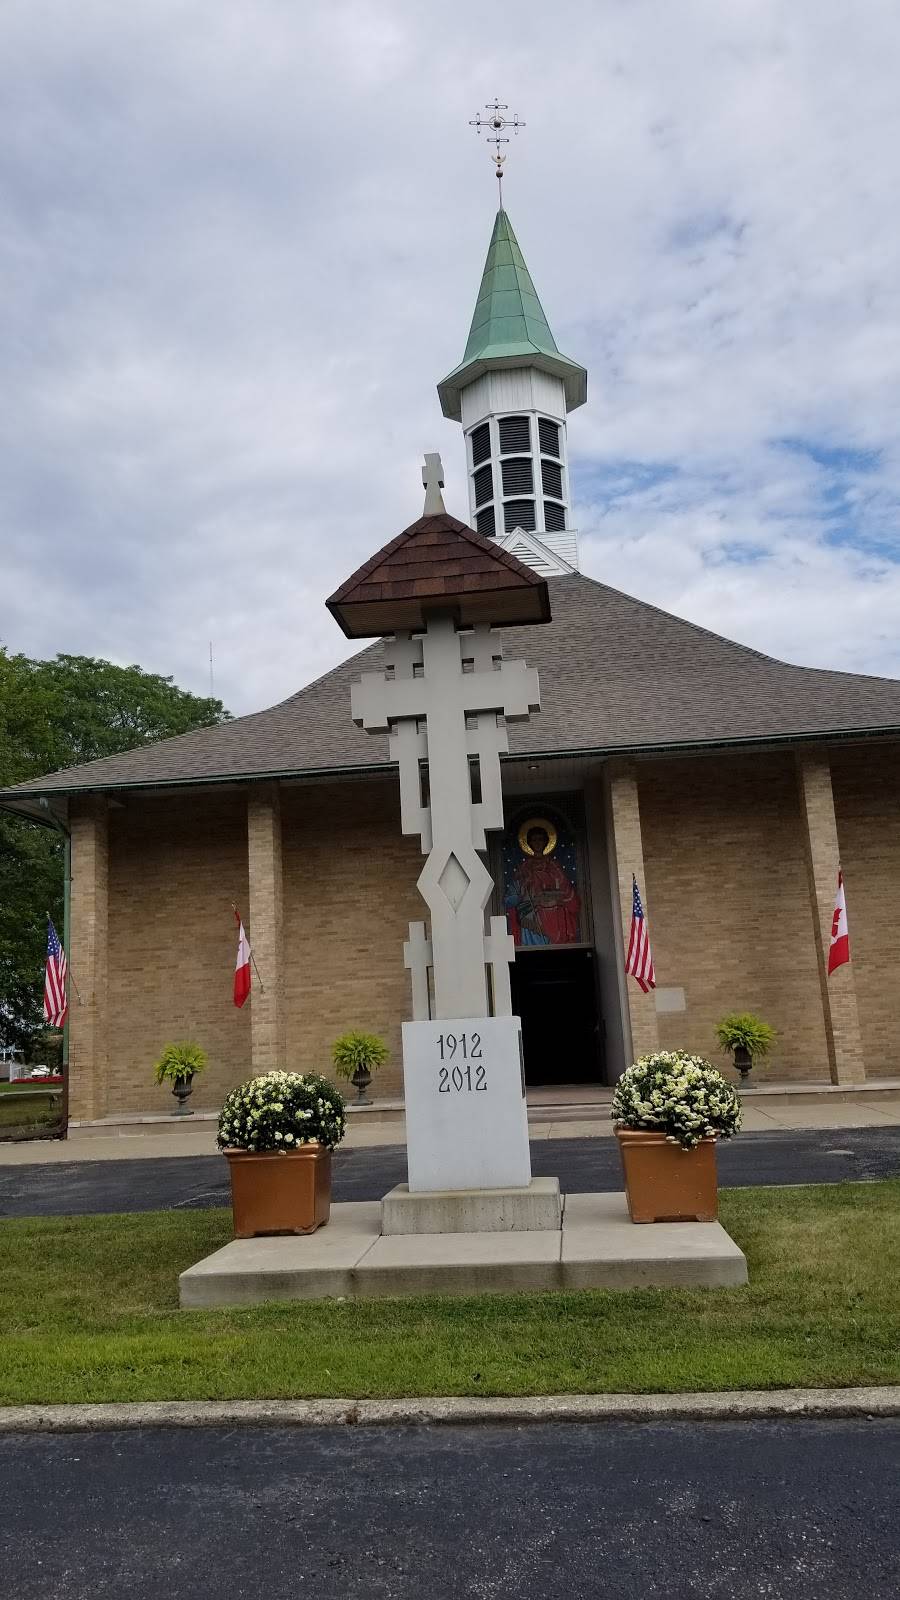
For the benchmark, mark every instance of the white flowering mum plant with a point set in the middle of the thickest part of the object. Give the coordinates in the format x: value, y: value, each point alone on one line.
x: 280, y: 1111
x: 679, y: 1095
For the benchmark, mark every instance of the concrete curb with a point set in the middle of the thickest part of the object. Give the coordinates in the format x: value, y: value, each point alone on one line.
x: 728, y: 1406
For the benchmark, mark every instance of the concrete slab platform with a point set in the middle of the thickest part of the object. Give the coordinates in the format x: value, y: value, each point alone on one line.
x: 598, y: 1247
x: 603, y: 1249
x: 317, y: 1266
x: 534, y: 1207
x: 460, y: 1263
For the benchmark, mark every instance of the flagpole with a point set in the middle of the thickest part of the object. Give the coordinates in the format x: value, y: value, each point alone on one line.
x: 262, y: 987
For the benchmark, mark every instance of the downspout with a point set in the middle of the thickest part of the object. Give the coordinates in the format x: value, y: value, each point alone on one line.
x: 67, y: 928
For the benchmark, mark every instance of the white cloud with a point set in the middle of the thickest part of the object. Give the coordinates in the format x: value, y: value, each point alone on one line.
x: 242, y: 243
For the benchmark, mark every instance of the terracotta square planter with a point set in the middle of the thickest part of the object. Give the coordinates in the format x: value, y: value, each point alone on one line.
x: 273, y: 1192
x: 665, y: 1183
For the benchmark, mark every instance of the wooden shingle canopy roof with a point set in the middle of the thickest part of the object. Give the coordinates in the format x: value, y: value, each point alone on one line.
x: 438, y: 564
x: 617, y: 676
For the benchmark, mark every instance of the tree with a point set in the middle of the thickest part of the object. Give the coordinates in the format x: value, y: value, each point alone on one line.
x: 57, y: 714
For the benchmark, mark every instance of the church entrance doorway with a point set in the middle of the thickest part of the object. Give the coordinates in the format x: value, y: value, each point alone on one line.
x: 540, y: 870
x: 554, y: 991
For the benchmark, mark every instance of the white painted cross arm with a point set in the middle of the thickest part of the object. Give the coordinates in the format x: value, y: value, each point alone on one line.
x: 418, y: 956
x: 375, y: 702
x: 500, y: 953
x: 513, y: 691
x: 521, y: 694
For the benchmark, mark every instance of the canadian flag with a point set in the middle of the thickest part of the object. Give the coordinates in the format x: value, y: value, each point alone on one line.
x: 241, y: 965
x: 839, y: 949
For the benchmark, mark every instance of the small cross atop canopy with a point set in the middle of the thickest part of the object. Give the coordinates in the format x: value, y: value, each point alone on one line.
x: 438, y: 567
x: 433, y: 480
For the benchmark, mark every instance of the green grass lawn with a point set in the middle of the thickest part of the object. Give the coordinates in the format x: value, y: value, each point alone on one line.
x: 88, y: 1312
x: 29, y: 1107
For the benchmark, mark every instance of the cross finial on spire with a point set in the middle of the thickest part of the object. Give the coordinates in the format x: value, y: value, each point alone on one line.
x: 433, y: 479
x: 495, y: 125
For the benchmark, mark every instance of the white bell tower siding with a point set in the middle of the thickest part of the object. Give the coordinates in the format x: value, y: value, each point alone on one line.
x: 516, y: 455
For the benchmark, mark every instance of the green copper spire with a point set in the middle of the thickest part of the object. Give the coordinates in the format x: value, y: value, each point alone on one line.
x: 509, y: 328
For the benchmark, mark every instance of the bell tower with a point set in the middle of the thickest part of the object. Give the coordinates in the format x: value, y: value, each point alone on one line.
x: 512, y: 392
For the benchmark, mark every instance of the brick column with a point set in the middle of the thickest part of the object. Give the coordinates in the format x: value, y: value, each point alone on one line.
x: 627, y: 857
x: 845, y: 1055
x: 89, y: 958
x: 267, y: 1041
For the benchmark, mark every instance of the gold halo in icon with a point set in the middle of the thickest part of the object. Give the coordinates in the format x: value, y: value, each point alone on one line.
x: 548, y: 829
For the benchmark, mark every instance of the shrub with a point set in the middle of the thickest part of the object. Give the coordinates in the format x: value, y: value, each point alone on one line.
x: 677, y: 1094
x: 180, y: 1061
x: 743, y: 1028
x: 356, y: 1050
x: 281, y: 1110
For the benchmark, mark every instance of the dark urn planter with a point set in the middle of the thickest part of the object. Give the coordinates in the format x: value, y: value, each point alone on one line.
x: 182, y: 1088
x: 361, y: 1079
x: 743, y: 1061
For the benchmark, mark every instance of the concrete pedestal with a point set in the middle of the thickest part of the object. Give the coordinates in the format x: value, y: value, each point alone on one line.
x: 535, y: 1208
x: 596, y: 1248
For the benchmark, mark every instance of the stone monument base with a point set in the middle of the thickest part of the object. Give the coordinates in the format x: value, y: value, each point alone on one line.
x: 596, y: 1248
x: 534, y: 1208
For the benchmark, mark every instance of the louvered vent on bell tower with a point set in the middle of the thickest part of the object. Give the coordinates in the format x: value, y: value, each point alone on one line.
x: 515, y: 435
x: 483, y: 484
x: 481, y: 444
x: 518, y: 476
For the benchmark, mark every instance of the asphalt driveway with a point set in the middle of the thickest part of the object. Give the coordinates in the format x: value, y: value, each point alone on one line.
x: 799, y: 1510
x: 582, y: 1166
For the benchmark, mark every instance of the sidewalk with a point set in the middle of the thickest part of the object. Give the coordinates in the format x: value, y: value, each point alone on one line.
x: 575, y: 1112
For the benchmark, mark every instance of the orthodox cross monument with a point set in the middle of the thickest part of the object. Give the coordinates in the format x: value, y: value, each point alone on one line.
x: 444, y: 697
x: 440, y: 595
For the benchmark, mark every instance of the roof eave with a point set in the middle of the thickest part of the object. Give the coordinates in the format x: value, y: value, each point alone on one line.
x: 39, y: 809
x: 16, y: 802
x: 574, y: 377
x: 499, y: 607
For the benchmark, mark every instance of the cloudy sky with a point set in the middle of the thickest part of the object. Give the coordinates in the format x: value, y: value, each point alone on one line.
x: 240, y: 241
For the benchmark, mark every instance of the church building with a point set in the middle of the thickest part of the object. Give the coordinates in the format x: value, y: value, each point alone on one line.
x: 731, y: 787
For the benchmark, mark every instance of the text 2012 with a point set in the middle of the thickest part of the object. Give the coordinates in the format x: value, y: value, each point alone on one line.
x: 464, y: 1070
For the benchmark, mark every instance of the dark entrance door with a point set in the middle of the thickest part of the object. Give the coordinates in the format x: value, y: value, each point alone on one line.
x: 554, y: 991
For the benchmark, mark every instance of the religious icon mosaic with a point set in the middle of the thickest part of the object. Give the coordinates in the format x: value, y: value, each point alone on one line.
x: 540, y: 880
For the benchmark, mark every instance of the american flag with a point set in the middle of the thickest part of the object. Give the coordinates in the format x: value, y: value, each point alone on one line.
x: 639, y: 960
x: 55, y: 1002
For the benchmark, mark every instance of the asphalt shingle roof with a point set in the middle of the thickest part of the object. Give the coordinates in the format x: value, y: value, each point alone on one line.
x: 616, y: 674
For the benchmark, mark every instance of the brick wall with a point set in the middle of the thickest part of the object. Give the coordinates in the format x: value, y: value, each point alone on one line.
x: 866, y: 786
x: 349, y: 892
x: 726, y: 888
x: 623, y: 821
x: 175, y: 865
x: 729, y: 906
x: 349, y: 896
x: 88, y: 954
x: 265, y: 914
